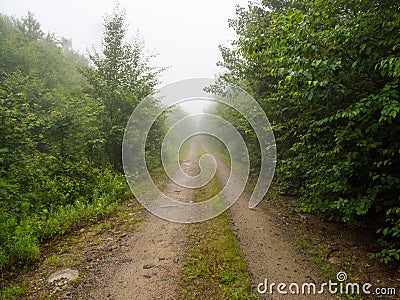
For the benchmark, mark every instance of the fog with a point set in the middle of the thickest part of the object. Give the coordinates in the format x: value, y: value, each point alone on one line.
x: 186, y: 34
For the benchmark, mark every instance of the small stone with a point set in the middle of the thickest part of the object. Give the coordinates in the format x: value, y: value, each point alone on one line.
x: 148, y: 266
x: 147, y: 276
x: 60, y: 283
x: 176, y: 260
x: 166, y: 278
x: 125, y: 260
x: 63, y: 274
x: 161, y: 258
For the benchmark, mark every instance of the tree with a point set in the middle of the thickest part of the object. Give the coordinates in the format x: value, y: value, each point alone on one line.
x: 327, y: 75
x: 120, y: 78
x: 49, y: 138
x: 30, y: 27
x: 24, y: 48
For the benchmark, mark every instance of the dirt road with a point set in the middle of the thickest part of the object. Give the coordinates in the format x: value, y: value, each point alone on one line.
x: 271, y: 257
x: 149, y: 266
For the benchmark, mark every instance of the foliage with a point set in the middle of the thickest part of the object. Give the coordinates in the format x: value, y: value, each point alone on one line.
x: 120, y: 79
x: 25, y: 48
x: 54, y: 172
x: 43, y: 194
x: 327, y: 75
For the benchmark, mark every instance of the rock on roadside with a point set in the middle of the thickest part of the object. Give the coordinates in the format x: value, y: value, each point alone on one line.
x: 63, y: 274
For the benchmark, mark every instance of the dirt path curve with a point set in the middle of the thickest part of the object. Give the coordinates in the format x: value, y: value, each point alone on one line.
x: 268, y: 252
x: 149, y: 268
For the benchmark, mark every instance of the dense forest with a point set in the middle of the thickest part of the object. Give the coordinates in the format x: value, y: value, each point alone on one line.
x: 62, y: 118
x: 326, y: 74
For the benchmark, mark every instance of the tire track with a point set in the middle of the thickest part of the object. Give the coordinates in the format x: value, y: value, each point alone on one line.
x: 150, y: 267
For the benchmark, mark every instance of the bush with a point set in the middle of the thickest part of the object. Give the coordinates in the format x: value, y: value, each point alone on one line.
x: 327, y: 75
x: 52, y: 204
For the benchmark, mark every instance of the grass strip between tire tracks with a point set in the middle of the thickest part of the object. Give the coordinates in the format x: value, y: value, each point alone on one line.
x: 214, y: 267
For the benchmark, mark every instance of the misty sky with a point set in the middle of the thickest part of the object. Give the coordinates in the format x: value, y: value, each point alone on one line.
x: 186, y: 34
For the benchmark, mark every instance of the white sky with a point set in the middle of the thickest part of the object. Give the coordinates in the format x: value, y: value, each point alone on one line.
x: 186, y: 34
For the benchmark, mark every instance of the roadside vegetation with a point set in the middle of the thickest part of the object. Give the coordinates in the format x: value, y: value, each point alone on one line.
x: 62, y: 118
x: 327, y: 74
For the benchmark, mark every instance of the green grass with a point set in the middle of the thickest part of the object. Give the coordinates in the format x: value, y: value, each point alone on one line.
x: 66, y: 251
x: 13, y: 292
x: 65, y: 261
x: 214, y: 267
